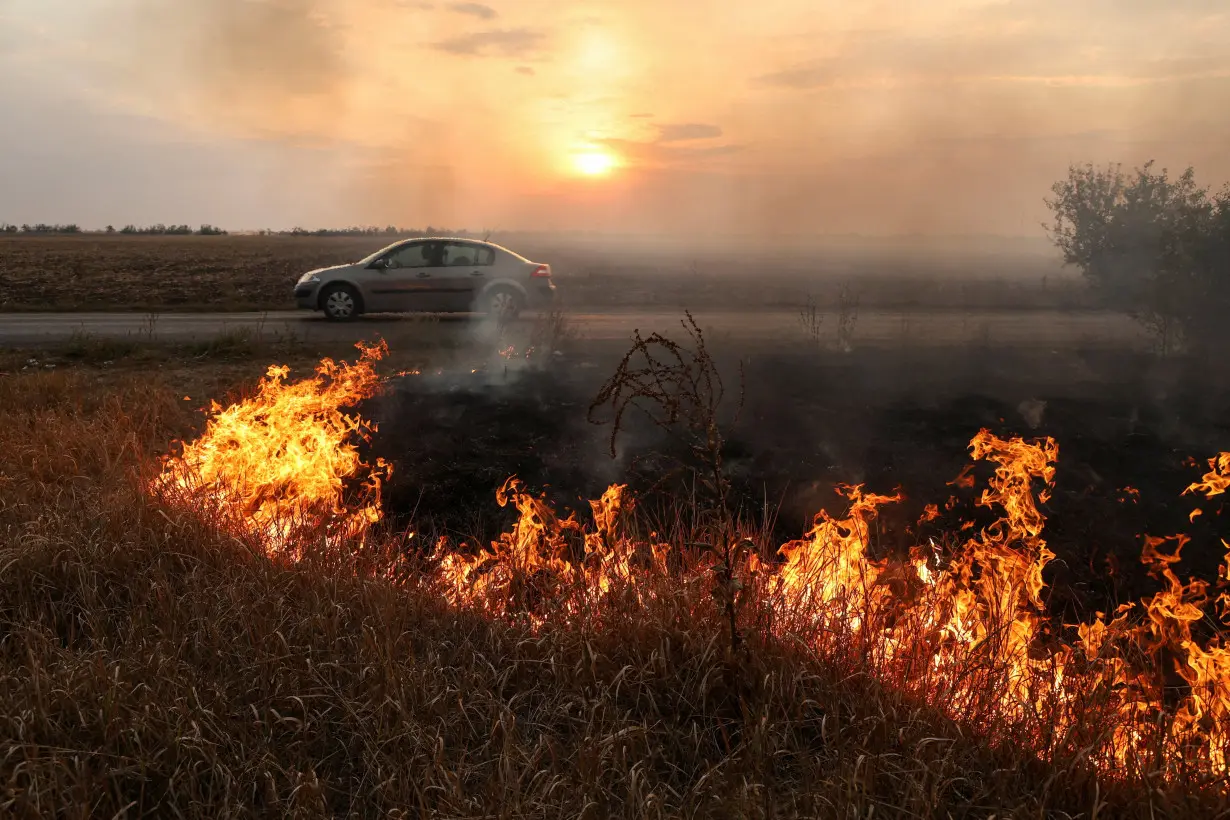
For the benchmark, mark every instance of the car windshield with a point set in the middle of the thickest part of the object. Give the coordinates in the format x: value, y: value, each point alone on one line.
x: 367, y: 260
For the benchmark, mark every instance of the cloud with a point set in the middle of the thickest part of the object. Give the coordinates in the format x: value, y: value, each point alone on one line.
x: 526, y: 70
x: 677, y: 132
x: 833, y: 74
x: 507, y: 42
x: 474, y: 10
x: 263, y: 68
x: 801, y: 77
x: 1039, y: 42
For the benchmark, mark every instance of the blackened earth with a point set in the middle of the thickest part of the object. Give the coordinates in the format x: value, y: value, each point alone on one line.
x: 1133, y: 432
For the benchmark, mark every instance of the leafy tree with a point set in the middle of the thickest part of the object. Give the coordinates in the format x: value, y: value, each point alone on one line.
x: 1152, y: 245
x: 1194, y: 275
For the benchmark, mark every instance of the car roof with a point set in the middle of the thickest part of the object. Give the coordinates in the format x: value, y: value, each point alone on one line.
x: 471, y: 240
x: 466, y: 239
x: 451, y: 239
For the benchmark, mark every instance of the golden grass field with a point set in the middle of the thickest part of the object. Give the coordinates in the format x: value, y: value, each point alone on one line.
x: 152, y: 664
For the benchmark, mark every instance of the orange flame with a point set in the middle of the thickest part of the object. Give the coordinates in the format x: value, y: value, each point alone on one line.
x: 967, y: 633
x: 1217, y: 480
x: 278, y: 463
x: 961, y: 626
x: 551, y: 566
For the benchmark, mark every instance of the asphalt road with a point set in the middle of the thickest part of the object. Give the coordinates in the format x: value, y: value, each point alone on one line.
x: 877, y: 328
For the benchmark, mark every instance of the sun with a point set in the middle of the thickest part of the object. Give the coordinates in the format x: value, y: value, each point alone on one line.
x: 593, y: 163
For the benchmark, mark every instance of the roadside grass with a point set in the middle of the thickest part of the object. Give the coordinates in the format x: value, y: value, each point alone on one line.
x: 413, y: 342
x: 150, y: 664
x: 153, y: 665
x: 85, y: 348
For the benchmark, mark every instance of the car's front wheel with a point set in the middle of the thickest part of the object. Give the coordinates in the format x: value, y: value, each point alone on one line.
x: 503, y: 303
x: 340, y: 303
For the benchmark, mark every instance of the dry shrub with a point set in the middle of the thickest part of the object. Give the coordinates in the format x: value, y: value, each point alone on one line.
x: 679, y: 387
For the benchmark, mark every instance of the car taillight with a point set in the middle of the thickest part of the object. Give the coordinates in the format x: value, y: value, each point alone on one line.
x: 542, y: 272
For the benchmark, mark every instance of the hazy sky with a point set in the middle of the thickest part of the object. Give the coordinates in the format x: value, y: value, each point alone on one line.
x: 780, y: 116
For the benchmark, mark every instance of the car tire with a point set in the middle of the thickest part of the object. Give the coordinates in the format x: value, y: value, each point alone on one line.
x: 341, y: 303
x: 502, y: 303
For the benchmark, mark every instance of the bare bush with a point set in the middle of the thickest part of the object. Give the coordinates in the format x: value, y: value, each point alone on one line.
x: 811, y: 319
x: 680, y: 389
x: 847, y: 317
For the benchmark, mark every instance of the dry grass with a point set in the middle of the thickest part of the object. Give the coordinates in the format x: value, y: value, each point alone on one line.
x: 151, y: 666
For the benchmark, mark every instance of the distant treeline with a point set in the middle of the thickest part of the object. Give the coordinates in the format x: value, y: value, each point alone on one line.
x: 210, y: 230
x: 372, y: 230
x: 39, y: 228
x: 151, y: 230
x: 168, y: 230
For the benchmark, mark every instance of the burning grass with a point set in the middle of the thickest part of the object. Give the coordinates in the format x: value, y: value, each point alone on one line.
x: 280, y: 460
x: 154, y: 658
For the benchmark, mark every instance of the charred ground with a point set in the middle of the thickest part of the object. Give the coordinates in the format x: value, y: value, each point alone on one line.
x: 213, y: 678
x: 1133, y: 432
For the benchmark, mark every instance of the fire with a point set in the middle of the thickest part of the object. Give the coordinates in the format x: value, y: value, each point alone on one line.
x: 1217, y: 480
x: 829, y: 575
x: 925, y: 621
x: 277, y: 465
x: 962, y: 628
x: 961, y: 625
x: 550, y: 566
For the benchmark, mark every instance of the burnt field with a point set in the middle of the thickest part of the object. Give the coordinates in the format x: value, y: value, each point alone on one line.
x: 1133, y: 432
x: 96, y: 272
x: 192, y: 655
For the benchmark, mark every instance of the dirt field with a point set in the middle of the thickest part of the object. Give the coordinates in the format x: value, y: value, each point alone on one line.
x: 205, y: 273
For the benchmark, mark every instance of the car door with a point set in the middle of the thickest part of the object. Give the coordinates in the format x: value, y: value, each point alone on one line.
x: 465, y: 272
x: 408, y: 278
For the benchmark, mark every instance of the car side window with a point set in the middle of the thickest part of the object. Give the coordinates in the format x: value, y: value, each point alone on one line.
x: 461, y: 253
x: 465, y: 254
x: 418, y: 255
x: 408, y: 256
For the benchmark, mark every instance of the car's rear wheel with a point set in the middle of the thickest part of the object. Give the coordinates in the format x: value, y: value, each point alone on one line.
x: 502, y: 303
x: 341, y: 303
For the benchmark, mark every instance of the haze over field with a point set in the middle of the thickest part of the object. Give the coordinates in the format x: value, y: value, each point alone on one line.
x: 692, y: 117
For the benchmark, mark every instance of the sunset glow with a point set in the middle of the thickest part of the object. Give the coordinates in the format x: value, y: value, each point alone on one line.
x: 950, y: 117
x: 594, y: 163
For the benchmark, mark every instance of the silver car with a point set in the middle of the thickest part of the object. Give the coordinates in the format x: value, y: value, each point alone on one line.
x: 431, y: 274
